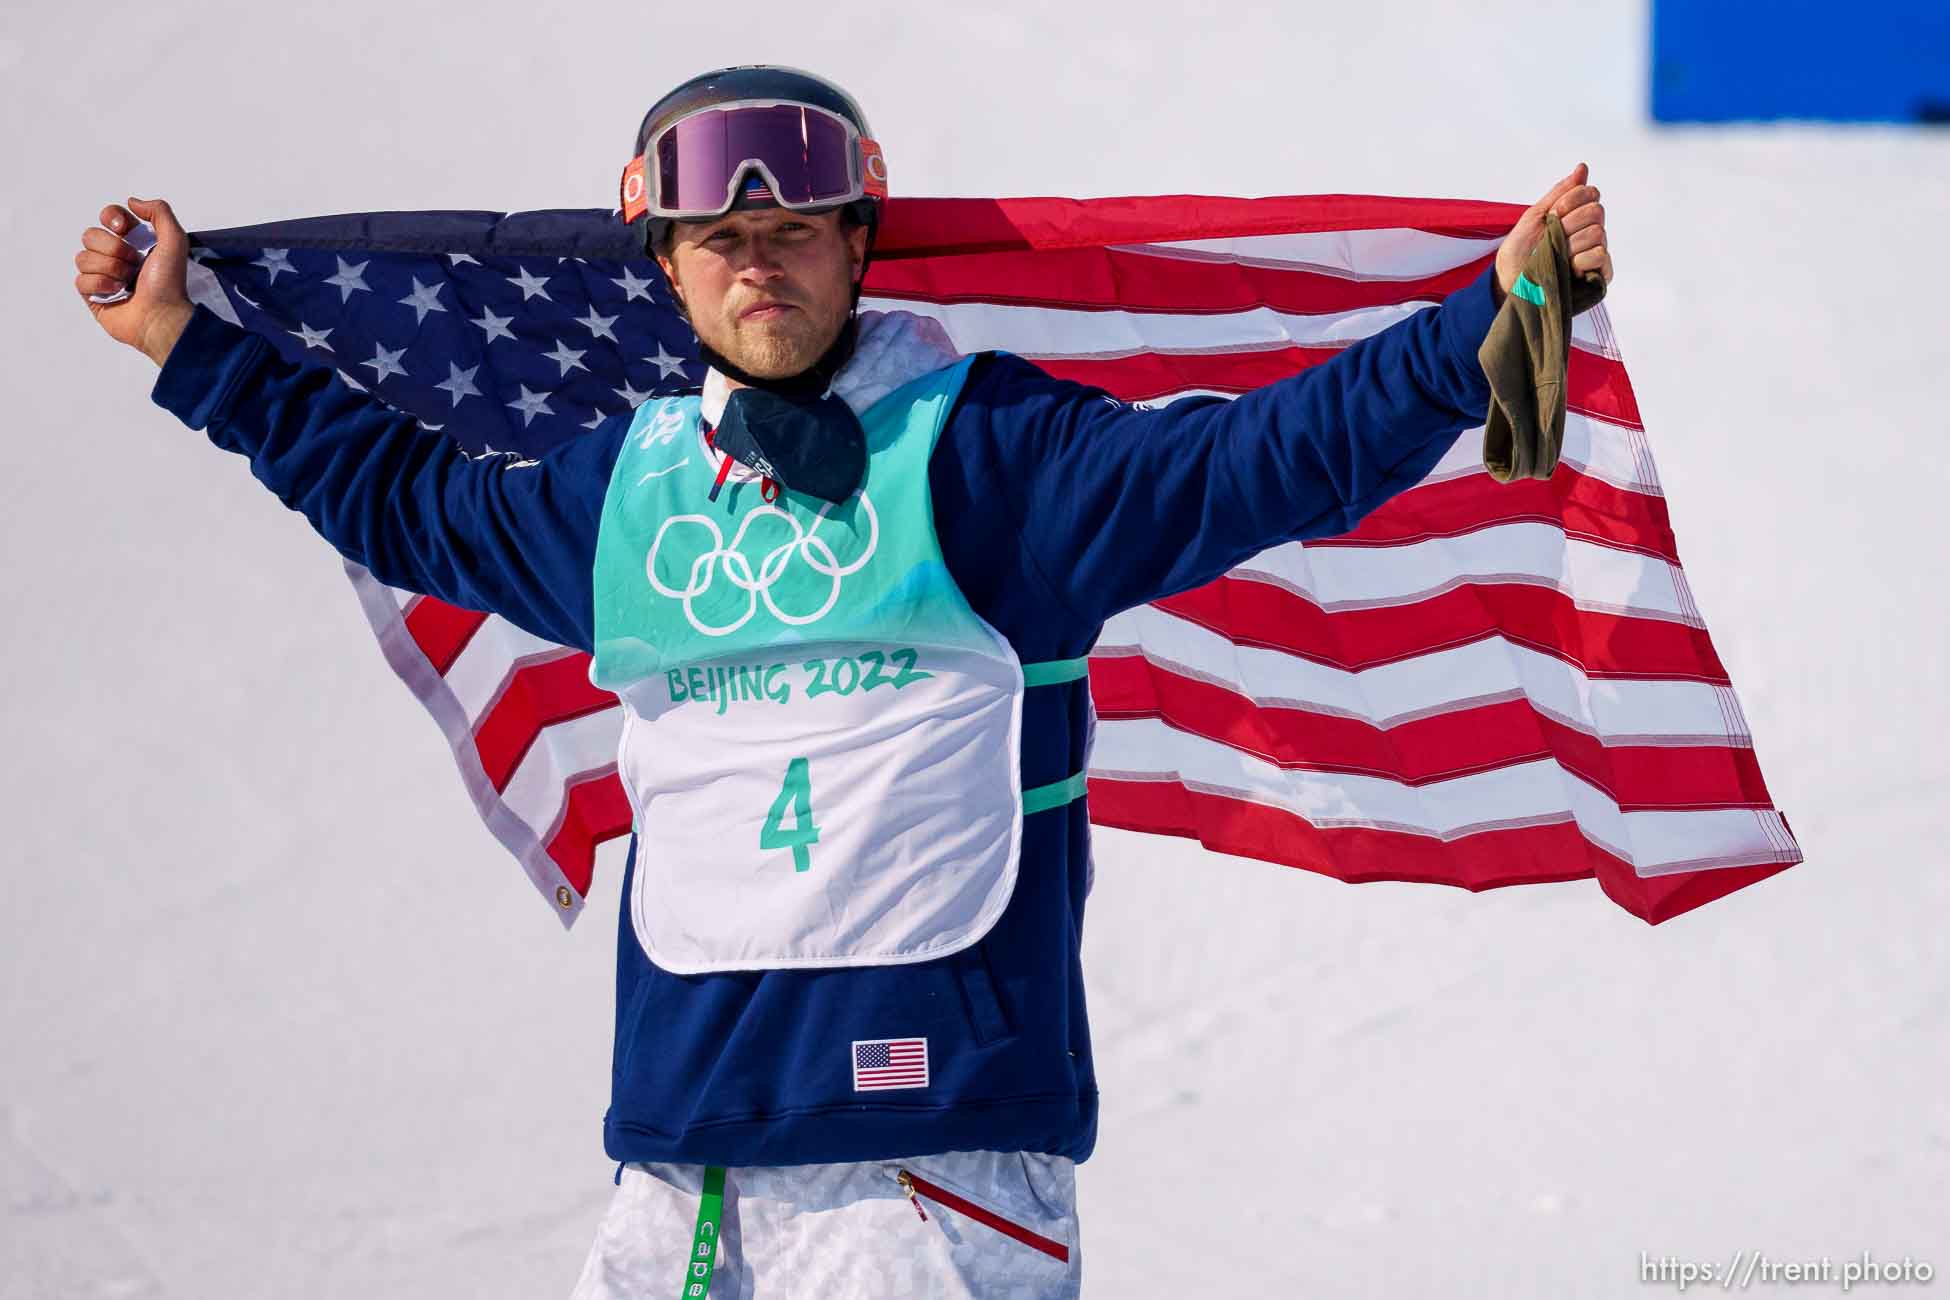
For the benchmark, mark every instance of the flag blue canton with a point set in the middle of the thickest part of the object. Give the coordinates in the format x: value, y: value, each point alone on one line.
x: 873, y: 1055
x: 511, y: 333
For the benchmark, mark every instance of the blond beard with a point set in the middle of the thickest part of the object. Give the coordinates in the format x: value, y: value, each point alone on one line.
x: 775, y: 354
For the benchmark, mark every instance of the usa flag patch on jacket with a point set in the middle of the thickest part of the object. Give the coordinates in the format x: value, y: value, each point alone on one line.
x: 880, y: 1063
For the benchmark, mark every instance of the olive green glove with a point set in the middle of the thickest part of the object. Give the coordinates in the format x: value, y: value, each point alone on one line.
x: 1525, y: 356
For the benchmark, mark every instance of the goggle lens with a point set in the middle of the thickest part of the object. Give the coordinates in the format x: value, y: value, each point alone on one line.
x: 807, y: 152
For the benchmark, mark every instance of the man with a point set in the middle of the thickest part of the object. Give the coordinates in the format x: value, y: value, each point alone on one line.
x: 844, y: 595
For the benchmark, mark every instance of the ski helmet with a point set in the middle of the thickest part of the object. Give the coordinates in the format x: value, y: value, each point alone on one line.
x: 756, y: 135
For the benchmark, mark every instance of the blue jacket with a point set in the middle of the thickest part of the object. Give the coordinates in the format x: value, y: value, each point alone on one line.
x: 1056, y: 507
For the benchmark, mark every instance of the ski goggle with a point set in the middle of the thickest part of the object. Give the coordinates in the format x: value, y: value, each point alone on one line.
x: 807, y: 156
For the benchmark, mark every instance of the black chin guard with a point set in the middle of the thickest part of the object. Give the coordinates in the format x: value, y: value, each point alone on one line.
x: 817, y: 447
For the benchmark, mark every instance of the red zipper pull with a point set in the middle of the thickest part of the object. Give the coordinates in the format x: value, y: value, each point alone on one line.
x: 907, y: 1185
x: 724, y: 472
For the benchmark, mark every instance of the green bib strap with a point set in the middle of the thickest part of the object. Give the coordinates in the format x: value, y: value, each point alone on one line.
x: 1049, y: 672
x: 1055, y: 794
x: 704, y: 1242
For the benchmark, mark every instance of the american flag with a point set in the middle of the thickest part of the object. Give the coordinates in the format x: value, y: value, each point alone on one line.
x: 1485, y: 684
x: 880, y: 1063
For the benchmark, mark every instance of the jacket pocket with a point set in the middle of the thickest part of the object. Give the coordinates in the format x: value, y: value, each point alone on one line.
x: 919, y: 1189
x: 980, y: 1001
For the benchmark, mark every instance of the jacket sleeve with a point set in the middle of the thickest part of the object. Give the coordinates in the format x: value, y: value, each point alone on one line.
x: 411, y: 505
x: 1121, y: 505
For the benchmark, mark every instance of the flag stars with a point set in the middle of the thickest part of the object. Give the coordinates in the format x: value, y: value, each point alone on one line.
x: 530, y: 285
x: 276, y: 261
x: 386, y: 363
x: 666, y: 364
x: 455, y: 259
x: 598, y: 326
x: 594, y: 420
x: 459, y: 383
x: 423, y: 299
x: 632, y: 287
x: 313, y: 338
x: 496, y: 327
x: 566, y: 357
x: 531, y: 405
x: 632, y: 397
x: 350, y: 278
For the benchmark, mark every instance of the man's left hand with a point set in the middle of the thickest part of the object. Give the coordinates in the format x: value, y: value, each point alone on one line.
x: 1576, y: 205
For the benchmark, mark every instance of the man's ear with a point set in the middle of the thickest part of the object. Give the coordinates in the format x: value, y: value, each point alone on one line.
x: 670, y: 278
x: 856, y: 249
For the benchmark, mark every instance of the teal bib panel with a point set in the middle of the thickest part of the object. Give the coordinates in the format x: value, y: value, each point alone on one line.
x: 680, y: 579
x: 821, y: 738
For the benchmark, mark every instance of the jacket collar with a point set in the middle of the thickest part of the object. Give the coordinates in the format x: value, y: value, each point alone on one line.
x: 894, y: 347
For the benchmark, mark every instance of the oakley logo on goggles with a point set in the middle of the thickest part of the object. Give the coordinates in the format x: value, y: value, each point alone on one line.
x: 809, y: 158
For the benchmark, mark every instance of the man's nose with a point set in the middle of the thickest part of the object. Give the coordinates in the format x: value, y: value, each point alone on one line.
x: 761, y: 259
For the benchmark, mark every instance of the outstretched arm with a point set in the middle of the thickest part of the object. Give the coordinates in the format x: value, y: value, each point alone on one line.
x: 1120, y: 506
x: 515, y: 539
x: 511, y: 538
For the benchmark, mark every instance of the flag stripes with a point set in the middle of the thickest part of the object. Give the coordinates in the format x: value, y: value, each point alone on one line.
x: 1542, y: 852
x: 1482, y: 684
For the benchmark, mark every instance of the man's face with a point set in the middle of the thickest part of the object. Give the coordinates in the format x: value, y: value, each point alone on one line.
x: 768, y: 288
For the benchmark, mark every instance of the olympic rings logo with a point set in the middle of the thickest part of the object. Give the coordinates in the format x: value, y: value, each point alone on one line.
x: 805, y: 543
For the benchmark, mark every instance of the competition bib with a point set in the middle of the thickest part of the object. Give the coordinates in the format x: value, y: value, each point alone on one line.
x: 821, y: 737
x: 852, y: 806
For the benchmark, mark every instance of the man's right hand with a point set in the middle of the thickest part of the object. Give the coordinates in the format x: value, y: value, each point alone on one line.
x: 153, y: 317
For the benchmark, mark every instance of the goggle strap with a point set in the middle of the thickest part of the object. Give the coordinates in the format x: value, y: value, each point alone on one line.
x: 873, y: 169
x: 635, y: 193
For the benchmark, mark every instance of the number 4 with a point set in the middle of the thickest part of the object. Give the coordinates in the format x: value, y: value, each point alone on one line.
x: 796, y: 793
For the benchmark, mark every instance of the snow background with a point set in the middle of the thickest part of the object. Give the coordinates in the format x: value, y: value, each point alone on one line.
x: 279, y: 1018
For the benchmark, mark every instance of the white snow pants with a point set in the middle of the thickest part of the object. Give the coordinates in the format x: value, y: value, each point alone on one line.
x: 849, y: 1231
